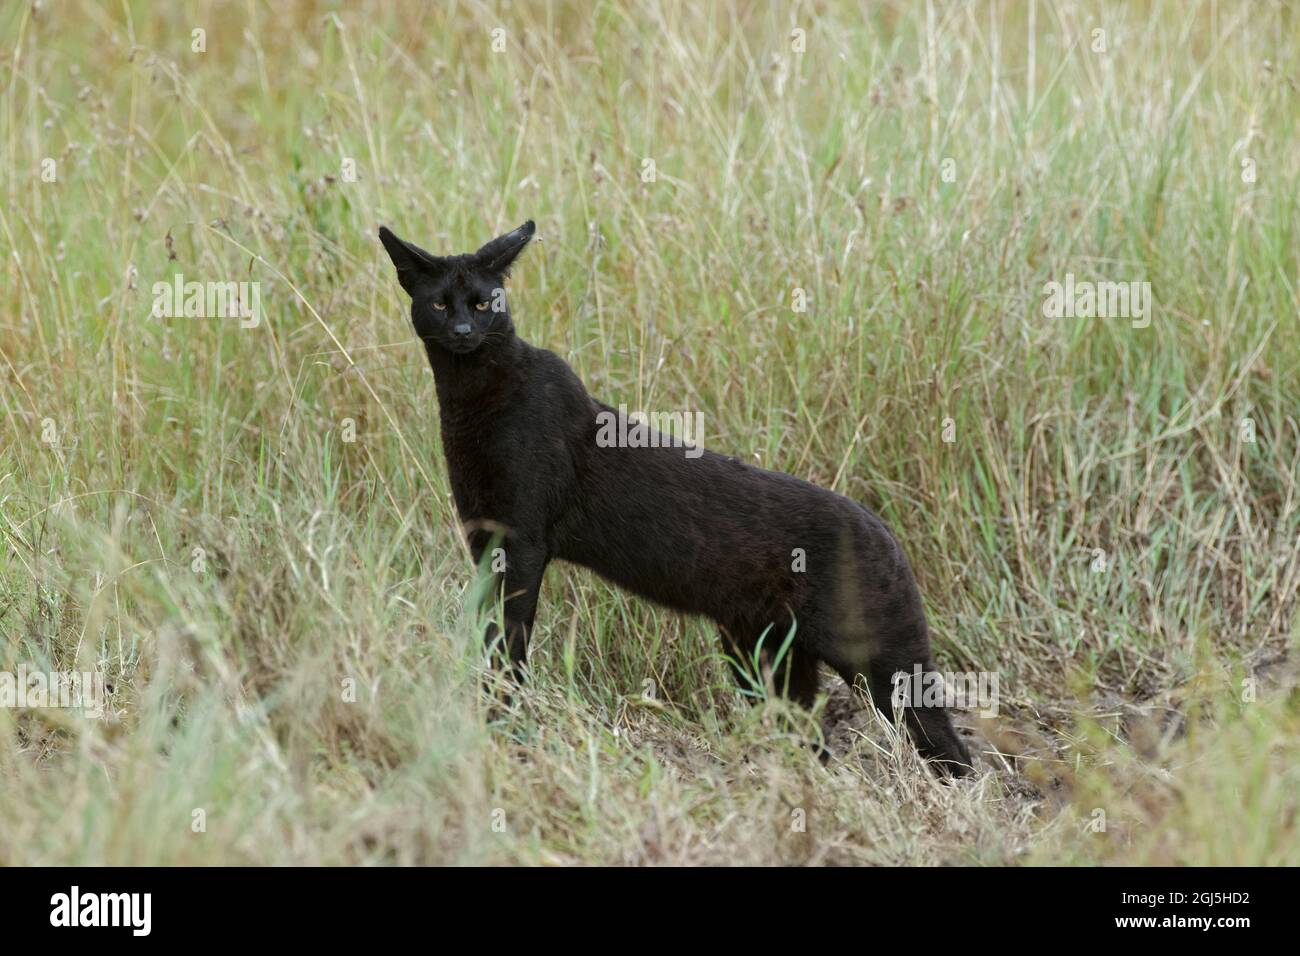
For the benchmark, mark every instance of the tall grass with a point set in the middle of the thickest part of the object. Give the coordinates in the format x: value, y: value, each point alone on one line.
x: 1105, y: 516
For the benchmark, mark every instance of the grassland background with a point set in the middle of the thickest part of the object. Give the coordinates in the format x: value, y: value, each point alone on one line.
x: 127, y: 441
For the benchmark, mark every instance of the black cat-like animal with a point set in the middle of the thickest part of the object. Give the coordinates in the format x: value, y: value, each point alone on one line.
x: 701, y: 533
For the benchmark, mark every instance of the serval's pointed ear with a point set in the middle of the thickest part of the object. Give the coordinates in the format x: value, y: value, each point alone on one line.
x: 499, y: 254
x: 412, y: 262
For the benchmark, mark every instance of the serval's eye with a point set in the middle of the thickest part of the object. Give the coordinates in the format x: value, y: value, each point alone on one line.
x: 440, y: 306
x: 481, y: 306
